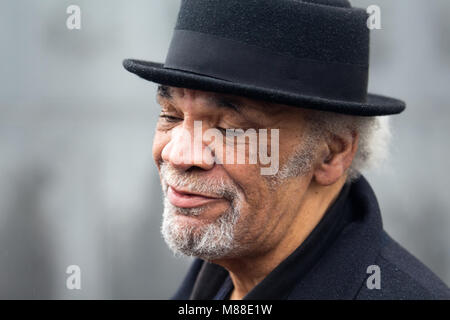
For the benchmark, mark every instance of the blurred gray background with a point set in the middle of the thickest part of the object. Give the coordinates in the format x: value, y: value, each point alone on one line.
x: 77, y: 180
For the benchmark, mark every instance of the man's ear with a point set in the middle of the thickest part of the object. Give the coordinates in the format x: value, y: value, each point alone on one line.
x: 336, y: 158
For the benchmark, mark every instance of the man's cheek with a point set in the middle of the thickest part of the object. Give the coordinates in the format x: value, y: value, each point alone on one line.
x: 158, y: 146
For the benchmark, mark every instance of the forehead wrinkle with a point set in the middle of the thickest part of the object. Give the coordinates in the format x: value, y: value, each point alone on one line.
x: 224, y: 102
x: 164, y: 92
x: 213, y: 99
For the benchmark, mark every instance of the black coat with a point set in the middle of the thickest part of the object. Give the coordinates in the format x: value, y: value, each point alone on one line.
x: 337, y: 267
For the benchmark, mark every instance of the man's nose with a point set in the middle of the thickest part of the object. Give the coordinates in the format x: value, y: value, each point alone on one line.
x: 186, y: 148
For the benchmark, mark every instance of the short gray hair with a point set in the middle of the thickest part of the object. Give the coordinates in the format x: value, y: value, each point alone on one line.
x: 374, y: 136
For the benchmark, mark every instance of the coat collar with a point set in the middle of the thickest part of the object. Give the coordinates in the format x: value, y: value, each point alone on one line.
x: 330, y: 264
x: 342, y: 271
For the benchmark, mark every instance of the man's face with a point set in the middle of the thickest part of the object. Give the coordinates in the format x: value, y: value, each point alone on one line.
x: 225, y: 209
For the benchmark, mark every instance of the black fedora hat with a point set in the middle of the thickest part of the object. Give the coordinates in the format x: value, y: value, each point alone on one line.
x: 306, y: 53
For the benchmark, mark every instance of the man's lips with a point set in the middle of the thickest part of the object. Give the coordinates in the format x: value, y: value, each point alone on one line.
x: 184, y: 199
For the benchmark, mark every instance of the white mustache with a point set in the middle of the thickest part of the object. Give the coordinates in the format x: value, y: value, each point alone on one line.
x: 192, y: 183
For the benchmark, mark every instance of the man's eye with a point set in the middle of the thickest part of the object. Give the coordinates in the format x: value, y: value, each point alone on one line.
x: 229, y: 132
x: 232, y: 132
x: 222, y: 130
x: 170, y: 118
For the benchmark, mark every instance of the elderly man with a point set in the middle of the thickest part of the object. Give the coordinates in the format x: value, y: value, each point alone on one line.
x: 282, y: 83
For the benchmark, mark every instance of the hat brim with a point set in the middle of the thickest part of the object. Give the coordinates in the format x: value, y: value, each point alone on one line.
x: 375, y: 105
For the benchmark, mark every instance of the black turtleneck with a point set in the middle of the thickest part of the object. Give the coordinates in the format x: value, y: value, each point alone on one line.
x: 214, y: 282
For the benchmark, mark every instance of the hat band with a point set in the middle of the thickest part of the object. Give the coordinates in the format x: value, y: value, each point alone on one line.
x: 235, y: 61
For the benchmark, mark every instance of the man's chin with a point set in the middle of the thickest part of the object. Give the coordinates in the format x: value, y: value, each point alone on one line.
x: 197, y: 236
x: 189, y: 226
x: 195, y: 223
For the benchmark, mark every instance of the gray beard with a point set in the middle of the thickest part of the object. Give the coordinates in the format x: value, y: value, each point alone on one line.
x: 209, y: 241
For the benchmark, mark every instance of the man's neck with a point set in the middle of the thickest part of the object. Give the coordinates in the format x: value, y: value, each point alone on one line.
x: 247, y: 272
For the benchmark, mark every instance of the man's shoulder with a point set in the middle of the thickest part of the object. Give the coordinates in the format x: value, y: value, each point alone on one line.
x: 403, y: 276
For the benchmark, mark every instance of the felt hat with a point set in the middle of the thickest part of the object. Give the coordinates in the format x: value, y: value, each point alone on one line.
x: 305, y: 53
